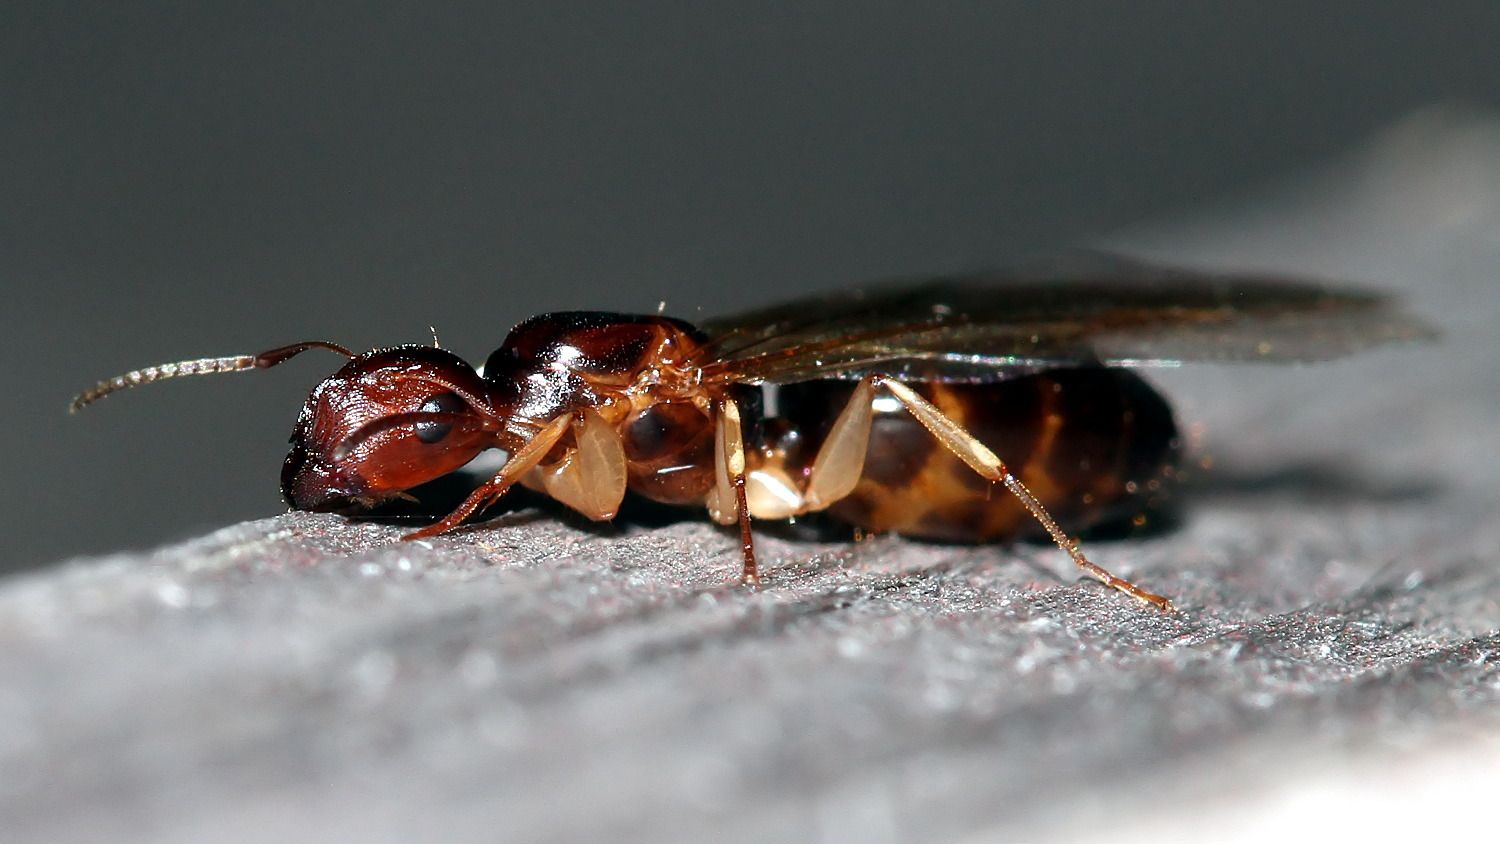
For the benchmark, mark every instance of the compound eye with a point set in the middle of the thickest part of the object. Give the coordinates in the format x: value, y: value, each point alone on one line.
x: 431, y: 432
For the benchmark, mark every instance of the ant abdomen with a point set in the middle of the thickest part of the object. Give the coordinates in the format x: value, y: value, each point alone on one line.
x: 1093, y: 444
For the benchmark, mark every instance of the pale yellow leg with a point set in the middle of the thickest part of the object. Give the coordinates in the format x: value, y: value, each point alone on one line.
x: 523, y: 461
x: 727, y: 502
x: 591, y: 478
x: 983, y: 461
x: 841, y: 459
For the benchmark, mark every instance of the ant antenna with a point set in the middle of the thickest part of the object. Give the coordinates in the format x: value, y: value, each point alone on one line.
x: 202, y: 366
x: 435, y: 343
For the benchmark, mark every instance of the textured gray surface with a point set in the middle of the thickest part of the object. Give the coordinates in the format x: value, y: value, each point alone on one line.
x: 534, y: 679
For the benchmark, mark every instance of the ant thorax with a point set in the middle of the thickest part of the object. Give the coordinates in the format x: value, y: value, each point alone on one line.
x: 614, y: 363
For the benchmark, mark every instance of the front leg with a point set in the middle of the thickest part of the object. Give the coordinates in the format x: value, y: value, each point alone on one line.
x: 524, y: 460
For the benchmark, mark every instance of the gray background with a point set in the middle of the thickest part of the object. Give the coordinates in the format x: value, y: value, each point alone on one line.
x: 188, y: 180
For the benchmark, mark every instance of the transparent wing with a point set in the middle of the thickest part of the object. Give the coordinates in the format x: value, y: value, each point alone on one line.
x: 1090, y: 311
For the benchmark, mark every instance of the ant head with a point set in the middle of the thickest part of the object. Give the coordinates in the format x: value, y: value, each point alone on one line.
x: 389, y: 420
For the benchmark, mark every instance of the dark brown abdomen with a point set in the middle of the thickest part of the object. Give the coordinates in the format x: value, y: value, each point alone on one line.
x: 1095, y: 445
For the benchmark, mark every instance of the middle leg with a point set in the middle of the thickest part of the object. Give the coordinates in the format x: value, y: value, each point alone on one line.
x: 727, y: 501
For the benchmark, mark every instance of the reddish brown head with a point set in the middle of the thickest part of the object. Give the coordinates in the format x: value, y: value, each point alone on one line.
x: 389, y: 420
